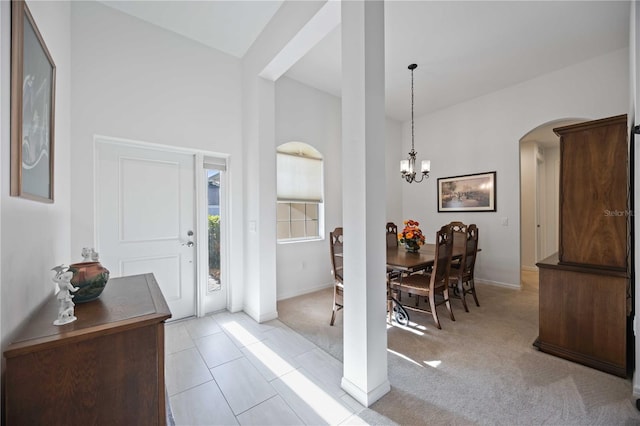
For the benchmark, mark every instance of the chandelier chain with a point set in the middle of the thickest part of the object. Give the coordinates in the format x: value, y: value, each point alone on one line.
x: 408, y: 166
x: 412, y: 146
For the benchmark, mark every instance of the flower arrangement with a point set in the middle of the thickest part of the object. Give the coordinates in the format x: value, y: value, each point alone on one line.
x: 411, y: 236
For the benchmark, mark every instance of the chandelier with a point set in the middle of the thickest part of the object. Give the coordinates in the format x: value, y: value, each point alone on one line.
x: 408, y: 166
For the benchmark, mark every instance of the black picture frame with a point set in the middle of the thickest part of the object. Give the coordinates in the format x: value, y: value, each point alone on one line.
x: 467, y: 193
x: 33, y: 77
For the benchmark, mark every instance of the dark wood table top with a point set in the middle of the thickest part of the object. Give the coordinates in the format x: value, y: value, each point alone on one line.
x: 400, y: 259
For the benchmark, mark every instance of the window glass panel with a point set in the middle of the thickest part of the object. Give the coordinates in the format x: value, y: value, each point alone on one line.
x: 312, y: 212
x: 297, y: 211
x: 213, y: 209
x: 298, y: 229
x: 312, y: 228
x: 283, y: 230
x: 283, y: 211
x: 297, y: 221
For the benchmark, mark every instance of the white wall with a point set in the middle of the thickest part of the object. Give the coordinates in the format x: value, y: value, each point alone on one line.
x: 394, y: 154
x: 314, y: 117
x: 136, y: 81
x: 483, y: 135
x: 528, y: 204
x: 35, y: 236
x: 308, y: 115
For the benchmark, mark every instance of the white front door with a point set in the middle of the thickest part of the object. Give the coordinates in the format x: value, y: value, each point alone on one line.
x: 145, y: 218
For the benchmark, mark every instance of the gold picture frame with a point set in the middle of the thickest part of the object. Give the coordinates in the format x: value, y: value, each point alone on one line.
x: 33, y: 77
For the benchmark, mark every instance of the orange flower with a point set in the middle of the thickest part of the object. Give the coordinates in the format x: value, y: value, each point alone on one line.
x: 411, y: 233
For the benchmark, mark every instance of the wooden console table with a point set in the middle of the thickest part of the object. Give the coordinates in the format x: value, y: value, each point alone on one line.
x: 105, y: 368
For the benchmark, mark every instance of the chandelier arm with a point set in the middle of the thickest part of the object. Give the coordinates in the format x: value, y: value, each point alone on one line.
x: 411, y: 177
x: 424, y: 175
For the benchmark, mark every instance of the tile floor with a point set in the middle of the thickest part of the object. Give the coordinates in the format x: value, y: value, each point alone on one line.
x: 226, y: 369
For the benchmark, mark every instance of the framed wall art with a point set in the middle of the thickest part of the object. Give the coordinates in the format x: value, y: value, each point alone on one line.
x: 467, y: 193
x: 33, y: 77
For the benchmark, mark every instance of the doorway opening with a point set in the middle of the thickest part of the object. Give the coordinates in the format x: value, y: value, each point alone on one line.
x: 540, y: 194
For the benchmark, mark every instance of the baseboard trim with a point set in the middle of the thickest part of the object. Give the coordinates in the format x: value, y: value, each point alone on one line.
x: 363, y: 397
x: 636, y: 391
x: 261, y: 318
x: 498, y: 283
x: 301, y: 292
x: 636, y: 386
x: 529, y: 268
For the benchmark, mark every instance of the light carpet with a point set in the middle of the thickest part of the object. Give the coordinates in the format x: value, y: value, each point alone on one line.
x: 479, y: 369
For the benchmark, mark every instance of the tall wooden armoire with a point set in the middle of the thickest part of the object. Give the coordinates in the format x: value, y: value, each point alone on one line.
x: 585, y: 295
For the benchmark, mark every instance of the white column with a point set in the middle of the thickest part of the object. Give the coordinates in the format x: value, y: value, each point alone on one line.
x: 363, y: 171
x: 259, y: 151
x: 260, y: 196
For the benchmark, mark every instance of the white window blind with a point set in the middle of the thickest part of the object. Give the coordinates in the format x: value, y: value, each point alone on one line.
x: 215, y: 163
x: 299, y: 179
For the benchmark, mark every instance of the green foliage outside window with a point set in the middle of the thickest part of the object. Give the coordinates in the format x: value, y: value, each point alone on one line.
x: 214, y: 242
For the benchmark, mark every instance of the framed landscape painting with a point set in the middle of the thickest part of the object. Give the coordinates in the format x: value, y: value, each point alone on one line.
x: 467, y: 193
x: 33, y: 76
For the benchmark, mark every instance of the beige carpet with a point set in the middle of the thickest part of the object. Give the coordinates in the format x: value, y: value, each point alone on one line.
x: 480, y: 369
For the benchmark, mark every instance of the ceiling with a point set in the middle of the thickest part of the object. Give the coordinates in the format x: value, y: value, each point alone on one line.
x: 464, y: 49
x: 229, y: 26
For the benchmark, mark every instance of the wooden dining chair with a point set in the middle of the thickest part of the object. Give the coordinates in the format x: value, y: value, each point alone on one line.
x: 461, y: 275
x: 393, y: 306
x: 433, y: 283
x: 392, y: 235
x: 459, y: 239
x: 335, y: 248
x: 392, y: 242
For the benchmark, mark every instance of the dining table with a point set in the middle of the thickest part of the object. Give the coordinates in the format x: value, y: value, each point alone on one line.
x: 401, y: 261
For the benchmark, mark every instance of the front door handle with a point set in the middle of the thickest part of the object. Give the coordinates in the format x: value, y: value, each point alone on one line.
x: 190, y: 242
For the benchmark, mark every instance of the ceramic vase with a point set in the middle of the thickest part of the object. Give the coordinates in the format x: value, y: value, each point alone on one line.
x: 91, y: 278
x: 412, y: 246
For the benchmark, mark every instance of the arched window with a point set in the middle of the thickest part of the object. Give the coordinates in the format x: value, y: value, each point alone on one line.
x: 300, y: 192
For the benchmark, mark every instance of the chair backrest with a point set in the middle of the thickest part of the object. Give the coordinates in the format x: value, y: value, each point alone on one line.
x: 459, y: 236
x: 442, y: 261
x: 392, y: 235
x: 469, y: 259
x: 335, y: 248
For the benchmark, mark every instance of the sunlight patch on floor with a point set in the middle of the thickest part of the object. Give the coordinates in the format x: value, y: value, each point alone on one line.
x: 239, y: 332
x: 318, y: 400
x: 323, y: 404
x: 398, y: 354
x: 412, y: 327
